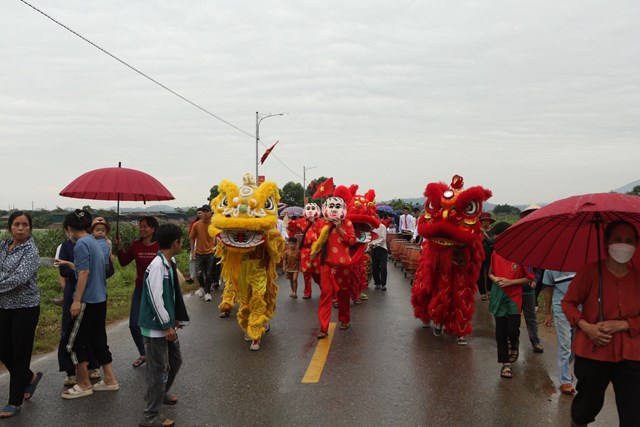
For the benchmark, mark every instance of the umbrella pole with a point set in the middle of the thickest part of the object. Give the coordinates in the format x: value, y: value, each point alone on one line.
x: 600, y: 305
x: 118, y: 218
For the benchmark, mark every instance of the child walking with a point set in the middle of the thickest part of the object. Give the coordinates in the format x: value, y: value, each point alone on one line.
x: 162, y: 312
x: 291, y: 264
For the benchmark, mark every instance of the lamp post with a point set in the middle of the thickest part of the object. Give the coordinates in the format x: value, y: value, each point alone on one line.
x: 259, y: 119
x: 304, y: 182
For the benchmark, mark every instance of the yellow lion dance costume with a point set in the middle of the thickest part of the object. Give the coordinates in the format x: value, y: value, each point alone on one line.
x: 250, y: 246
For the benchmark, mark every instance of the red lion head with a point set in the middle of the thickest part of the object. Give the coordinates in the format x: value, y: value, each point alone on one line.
x: 451, y: 213
x: 362, y: 213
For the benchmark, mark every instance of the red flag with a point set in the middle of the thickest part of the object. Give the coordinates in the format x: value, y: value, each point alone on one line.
x: 266, y: 153
x: 325, y: 189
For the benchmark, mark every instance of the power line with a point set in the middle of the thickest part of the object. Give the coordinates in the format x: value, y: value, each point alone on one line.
x: 154, y: 81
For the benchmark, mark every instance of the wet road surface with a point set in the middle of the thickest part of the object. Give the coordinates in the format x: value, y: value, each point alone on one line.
x: 385, y: 371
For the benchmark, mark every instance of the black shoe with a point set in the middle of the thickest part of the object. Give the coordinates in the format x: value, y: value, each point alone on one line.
x: 383, y: 288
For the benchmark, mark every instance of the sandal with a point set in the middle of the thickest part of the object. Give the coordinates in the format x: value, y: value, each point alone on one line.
x: 224, y: 314
x: 322, y: 335
x: 506, y: 372
x: 9, y: 411
x: 156, y: 422
x: 513, y: 354
x: 567, y: 389
x: 31, y: 388
x: 538, y: 348
x: 170, y: 399
x: 76, y: 392
x: 483, y: 297
x: 139, y: 362
x: 343, y: 326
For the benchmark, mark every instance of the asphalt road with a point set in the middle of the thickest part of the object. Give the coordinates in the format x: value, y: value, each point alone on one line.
x: 384, y: 371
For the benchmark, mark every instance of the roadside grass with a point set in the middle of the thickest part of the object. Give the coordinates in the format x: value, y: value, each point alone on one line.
x: 119, y: 290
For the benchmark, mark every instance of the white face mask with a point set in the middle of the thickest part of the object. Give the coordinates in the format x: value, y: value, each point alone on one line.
x: 621, y: 252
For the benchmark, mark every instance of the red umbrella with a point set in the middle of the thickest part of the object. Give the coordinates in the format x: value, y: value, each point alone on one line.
x: 117, y: 184
x: 567, y: 234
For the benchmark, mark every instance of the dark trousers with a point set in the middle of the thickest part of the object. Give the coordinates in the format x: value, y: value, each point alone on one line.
x: 204, y: 271
x: 163, y: 363
x: 215, y: 271
x: 593, y: 379
x: 484, y: 284
x: 64, y: 357
x: 507, y: 334
x: 17, y: 331
x: 134, y: 321
x: 89, y: 331
x: 379, y: 266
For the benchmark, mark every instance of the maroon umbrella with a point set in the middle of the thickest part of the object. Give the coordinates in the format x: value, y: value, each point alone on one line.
x: 117, y: 184
x: 567, y: 234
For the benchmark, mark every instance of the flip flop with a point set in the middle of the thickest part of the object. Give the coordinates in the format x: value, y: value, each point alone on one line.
x: 139, y: 362
x: 31, y: 388
x: 76, y: 392
x: 11, y: 410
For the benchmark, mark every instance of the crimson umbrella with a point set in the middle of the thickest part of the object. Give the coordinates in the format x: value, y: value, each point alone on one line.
x: 117, y: 184
x: 567, y: 234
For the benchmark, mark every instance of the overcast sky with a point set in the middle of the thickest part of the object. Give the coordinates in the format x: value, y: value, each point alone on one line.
x: 535, y: 100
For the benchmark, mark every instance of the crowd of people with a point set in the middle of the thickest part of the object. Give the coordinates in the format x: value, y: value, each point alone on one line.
x: 603, y: 341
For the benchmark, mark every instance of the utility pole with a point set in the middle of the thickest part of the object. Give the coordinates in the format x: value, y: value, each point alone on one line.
x: 304, y: 183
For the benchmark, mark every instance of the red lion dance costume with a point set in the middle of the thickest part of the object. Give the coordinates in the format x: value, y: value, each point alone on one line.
x: 445, y: 282
x: 335, y: 237
x: 361, y: 211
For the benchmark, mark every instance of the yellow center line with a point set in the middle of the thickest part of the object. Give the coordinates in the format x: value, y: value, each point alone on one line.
x: 319, y: 358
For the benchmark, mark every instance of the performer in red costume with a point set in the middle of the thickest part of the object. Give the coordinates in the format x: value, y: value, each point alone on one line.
x: 361, y: 211
x: 335, y: 236
x: 445, y: 282
x: 310, y: 267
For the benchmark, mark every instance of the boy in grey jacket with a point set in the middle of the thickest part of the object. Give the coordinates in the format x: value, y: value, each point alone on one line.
x: 162, y: 312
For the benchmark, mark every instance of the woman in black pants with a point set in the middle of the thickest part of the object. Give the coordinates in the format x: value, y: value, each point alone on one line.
x: 19, y: 310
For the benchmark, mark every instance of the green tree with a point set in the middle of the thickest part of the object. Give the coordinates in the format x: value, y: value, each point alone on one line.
x: 397, y: 204
x: 635, y: 191
x: 506, y: 210
x: 213, y: 193
x: 291, y: 194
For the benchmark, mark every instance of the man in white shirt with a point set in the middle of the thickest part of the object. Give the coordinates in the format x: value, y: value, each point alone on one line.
x: 379, y: 258
x: 407, y: 224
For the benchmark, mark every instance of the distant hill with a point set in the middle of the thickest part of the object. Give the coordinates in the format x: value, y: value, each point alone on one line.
x: 155, y: 208
x: 627, y: 188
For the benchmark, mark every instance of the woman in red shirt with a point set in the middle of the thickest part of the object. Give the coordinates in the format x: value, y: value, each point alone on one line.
x: 143, y: 251
x: 607, y: 344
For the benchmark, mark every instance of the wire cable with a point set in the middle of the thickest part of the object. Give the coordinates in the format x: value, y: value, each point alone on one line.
x: 204, y: 110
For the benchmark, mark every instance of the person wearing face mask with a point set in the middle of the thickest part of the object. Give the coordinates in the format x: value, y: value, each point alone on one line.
x: 607, y: 344
x: 335, y: 236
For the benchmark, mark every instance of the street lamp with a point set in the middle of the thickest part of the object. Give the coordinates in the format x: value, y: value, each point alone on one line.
x: 304, y: 182
x: 259, y: 119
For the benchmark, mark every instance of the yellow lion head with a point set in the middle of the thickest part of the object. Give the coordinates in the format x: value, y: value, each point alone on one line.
x: 243, y: 214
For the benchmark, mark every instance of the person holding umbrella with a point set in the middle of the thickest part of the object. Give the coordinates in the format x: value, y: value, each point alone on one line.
x: 607, y: 341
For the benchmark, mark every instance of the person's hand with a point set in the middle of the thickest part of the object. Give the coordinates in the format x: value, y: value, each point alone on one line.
x: 593, y: 332
x: 75, y: 308
x: 547, y: 321
x: 532, y: 284
x: 610, y: 327
x: 116, y: 242
x: 193, y: 256
x: 179, y: 325
x: 170, y: 334
x: 501, y: 281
